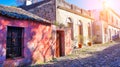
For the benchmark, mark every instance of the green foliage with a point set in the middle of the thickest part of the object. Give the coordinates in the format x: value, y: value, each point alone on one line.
x: 59, y: 24
x: 53, y: 60
x: 56, y: 23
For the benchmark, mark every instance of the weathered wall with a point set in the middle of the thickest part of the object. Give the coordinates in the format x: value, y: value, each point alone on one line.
x: 67, y: 39
x: 114, y: 24
x: 97, y: 31
x: 113, y: 33
x: 73, y: 7
x: 62, y: 16
x: 68, y: 42
x: 46, y: 10
x: 37, y: 41
x: 97, y: 26
x: 108, y: 22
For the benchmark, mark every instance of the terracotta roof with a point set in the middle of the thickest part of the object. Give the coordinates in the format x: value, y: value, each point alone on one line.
x: 19, y: 13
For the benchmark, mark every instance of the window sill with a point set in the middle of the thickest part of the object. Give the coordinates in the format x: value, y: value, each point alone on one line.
x: 16, y: 58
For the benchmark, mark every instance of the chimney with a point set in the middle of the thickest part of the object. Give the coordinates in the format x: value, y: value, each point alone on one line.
x: 28, y: 2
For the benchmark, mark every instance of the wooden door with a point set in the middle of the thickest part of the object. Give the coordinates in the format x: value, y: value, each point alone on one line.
x: 81, y: 33
x: 60, y: 44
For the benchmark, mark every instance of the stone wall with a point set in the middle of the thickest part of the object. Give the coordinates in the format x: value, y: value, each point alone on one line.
x: 45, y: 10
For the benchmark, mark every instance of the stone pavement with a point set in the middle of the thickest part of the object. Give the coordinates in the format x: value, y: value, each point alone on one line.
x: 95, y: 56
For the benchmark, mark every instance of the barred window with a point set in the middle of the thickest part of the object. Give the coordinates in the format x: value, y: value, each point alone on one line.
x: 14, y: 42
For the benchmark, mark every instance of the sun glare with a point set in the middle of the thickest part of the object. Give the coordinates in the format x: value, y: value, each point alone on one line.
x: 108, y: 3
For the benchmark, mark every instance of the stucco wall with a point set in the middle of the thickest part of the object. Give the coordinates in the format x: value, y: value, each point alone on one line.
x: 113, y: 32
x: 113, y: 25
x: 62, y: 16
x: 97, y: 31
x: 37, y: 41
x: 68, y: 42
x: 106, y: 25
x: 116, y: 18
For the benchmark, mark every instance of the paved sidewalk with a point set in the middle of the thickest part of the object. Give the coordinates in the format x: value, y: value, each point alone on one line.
x: 106, y: 55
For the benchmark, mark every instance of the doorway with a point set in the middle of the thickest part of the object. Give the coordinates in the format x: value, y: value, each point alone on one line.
x: 60, y: 47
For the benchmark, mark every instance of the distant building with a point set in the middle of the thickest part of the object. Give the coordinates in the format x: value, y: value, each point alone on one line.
x: 106, y: 25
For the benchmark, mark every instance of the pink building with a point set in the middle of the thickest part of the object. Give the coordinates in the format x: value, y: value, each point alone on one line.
x: 24, y: 38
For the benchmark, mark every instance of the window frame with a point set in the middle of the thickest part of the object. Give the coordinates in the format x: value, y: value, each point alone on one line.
x: 19, y: 29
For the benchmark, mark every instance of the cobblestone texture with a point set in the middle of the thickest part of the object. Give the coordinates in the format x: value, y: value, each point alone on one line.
x: 108, y: 57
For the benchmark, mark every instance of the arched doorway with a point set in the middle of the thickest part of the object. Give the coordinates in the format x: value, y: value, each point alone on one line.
x: 89, y: 30
x: 80, y: 29
x: 70, y: 25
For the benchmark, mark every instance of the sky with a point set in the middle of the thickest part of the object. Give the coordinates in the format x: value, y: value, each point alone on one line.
x: 8, y: 2
x: 96, y: 4
x: 85, y: 4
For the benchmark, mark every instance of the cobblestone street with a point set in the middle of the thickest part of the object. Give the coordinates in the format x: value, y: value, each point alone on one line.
x: 106, y: 55
x: 59, y: 33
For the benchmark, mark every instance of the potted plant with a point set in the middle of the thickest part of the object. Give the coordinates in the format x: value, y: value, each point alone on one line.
x: 79, y: 45
x: 91, y: 40
x: 89, y: 43
x: 79, y: 39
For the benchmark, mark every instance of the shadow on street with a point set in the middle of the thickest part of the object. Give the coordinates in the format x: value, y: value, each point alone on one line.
x: 109, y: 57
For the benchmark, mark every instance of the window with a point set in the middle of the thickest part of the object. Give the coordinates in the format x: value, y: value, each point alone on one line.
x: 89, y: 30
x: 105, y: 30
x: 80, y: 30
x: 70, y: 25
x: 107, y: 16
x: 116, y: 22
x: 14, y: 42
x: 112, y: 19
x: 80, y: 27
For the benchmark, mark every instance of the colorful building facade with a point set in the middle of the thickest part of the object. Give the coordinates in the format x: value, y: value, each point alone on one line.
x: 66, y: 16
x: 24, y: 38
x: 106, y: 25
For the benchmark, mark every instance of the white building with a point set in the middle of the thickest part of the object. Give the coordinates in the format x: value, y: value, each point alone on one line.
x: 106, y: 25
x: 76, y: 19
